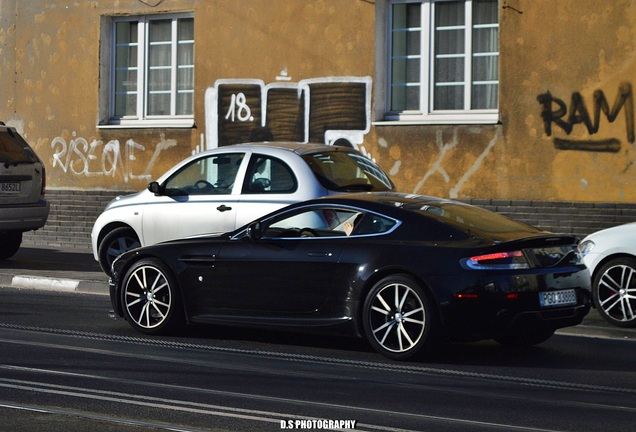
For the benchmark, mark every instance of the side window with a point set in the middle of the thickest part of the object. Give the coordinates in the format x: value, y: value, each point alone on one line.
x: 267, y: 174
x: 319, y: 222
x: 214, y: 175
x: 442, y: 60
x: 151, y: 79
x: 373, y: 224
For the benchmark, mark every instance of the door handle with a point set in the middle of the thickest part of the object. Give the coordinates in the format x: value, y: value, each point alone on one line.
x: 320, y: 254
x: 223, y: 208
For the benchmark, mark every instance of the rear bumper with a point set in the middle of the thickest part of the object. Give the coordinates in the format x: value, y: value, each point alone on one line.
x: 476, y: 320
x: 554, y: 319
x: 24, y: 217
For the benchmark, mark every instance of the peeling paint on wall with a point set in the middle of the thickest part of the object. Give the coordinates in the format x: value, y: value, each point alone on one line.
x: 444, y: 151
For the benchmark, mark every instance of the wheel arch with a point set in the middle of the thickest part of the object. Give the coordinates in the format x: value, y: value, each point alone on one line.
x: 609, y: 258
x: 370, y: 282
x: 106, y: 229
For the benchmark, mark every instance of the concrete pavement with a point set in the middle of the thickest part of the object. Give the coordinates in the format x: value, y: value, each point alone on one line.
x: 75, y: 270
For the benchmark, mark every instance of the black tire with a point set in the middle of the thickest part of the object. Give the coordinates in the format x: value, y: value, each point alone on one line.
x: 115, y: 243
x: 151, y: 299
x: 614, y: 291
x: 11, y: 242
x: 399, y: 319
x: 526, y: 338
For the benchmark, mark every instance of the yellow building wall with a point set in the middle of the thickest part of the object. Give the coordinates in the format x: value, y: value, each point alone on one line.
x: 559, y: 62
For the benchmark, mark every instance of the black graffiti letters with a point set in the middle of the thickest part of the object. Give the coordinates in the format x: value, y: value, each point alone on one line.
x: 555, y: 111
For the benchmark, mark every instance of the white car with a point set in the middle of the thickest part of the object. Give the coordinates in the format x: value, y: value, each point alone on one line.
x: 222, y: 189
x: 610, y: 255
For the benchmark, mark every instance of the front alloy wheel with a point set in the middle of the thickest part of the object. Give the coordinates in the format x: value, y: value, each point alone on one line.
x: 398, y: 318
x: 614, y: 292
x: 150, y: 299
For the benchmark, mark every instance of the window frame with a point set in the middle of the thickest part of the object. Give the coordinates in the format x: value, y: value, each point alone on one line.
x: 426, y: 114
x: 141, y: 118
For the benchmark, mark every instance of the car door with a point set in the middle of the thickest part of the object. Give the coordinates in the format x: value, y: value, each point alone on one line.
x: 200, y: 198
x: 269, y: 184
x: 288, y: 271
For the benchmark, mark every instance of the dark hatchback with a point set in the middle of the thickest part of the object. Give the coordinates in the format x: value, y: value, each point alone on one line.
x: 22, y: 187
x: 401, y: 270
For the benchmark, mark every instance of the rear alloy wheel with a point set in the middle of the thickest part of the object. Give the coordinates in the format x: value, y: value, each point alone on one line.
x: 150, y: 298
x: 115, y: 243
x: 11, y: 242
x: 614, y: 292
x: 398, y: 317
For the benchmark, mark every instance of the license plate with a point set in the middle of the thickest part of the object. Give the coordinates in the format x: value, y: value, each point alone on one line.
x: 10, y: 187
x: 557, y: 298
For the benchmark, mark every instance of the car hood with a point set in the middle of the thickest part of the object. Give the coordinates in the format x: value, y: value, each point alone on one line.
x: 140, y: 197
x: 621, y: 232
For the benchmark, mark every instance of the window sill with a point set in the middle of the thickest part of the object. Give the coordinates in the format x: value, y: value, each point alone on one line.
x: 439, y: 119
x: 148, y: 124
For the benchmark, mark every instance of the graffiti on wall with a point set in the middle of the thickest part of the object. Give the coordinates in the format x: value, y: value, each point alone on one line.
x: 579, y: 114
x: 110, y: 159
x: 327, y: 110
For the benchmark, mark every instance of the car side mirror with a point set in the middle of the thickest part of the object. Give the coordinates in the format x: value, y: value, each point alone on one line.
x: 255, y: 231
x: 155, y: 188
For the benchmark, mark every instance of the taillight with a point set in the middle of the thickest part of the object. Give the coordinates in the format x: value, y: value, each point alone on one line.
x: 498, y: 261
x: 43, y: 188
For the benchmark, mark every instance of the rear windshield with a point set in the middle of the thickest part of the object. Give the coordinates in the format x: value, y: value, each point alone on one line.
x: 471, y: 218
x: 13, y: 148
x: 348, y: 172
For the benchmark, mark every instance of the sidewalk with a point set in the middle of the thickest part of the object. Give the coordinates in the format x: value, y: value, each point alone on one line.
x: 76, y: 271
x: 54, y: 269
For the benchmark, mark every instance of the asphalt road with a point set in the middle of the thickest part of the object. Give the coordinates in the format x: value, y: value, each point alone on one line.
x: 65, y: 366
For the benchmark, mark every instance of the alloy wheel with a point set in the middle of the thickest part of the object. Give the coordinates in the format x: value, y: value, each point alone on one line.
x: 396, y: 319
x: 148, y: 298
x: 615, y: 292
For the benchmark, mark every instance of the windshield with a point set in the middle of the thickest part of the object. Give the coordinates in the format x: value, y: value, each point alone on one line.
x: 348, y: 172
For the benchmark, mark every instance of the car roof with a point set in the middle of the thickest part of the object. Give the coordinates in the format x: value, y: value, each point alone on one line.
x: 299, y: 148
x: 396, y: 199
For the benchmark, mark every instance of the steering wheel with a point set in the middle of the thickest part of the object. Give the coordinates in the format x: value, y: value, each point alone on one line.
x: 203, y: 184
x: 307, y: 232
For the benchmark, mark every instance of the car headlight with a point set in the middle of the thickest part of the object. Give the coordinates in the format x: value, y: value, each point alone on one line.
x: 585, y: 247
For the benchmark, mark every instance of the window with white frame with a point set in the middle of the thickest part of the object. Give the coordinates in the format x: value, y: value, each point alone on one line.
x: 152, y: 70
x: 443, y: 60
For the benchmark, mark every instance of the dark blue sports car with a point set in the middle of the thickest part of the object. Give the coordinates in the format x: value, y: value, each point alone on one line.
x: 403, y: 271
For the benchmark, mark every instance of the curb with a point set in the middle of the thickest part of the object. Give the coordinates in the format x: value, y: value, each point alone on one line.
x: 597, y: 332
x: 54, y: 284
